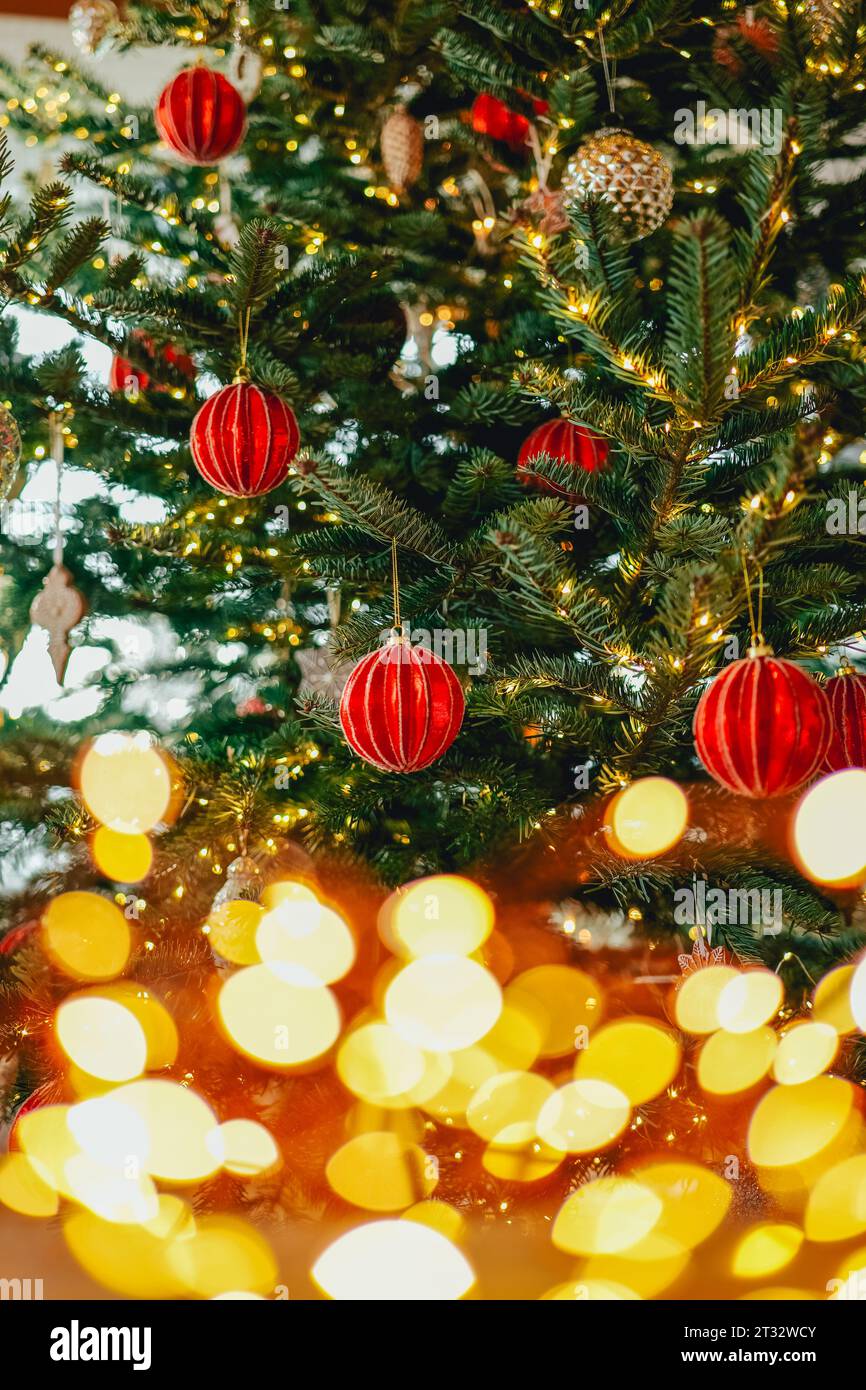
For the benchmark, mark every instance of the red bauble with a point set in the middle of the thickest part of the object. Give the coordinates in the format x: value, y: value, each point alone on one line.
x: 122, y: 370
x: 762, y: 727
x: 243, y: 440
x: 492, y: 117
x: 847, y: 695
x: 565, y: 442
x: 201, y: 116
x: 401, y: 708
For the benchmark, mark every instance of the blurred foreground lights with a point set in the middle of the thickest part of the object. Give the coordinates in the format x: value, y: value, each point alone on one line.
x: 244, y: 1147
x: 829, y: 831
x: 747, y: 1001
x: 590, y: 1291
x: 831, y: 1002
x: 695, y: 1200
x: 805, y: 1051
x: 606, y: 1217
x: 583, y: 1116
x: 311, y: 942
x: 505, y: 1108
x: 794, y: 1123
x: 380, y: 1172
x: 836, y: 1209
x: 375, y: 1063
x: 638, y: 1056
x: 731, y: 1062
x: 443, y: 1003
x: 101, y: 1037
x: 276, y: 1021
x: 857, y: 998
x: 440, y: 915
x: 393, y: 1262
x: 122, y: 858
x: 562, y: 1003
x: 86, y: 936
x: 125, y: 782
x: 223, y: 1254
x: 647, y: 818
x: 231, y: 930
x: 177, y: 1123
x: 766, y: 1248
x: 697, y: 1000
x: 24, y: 1189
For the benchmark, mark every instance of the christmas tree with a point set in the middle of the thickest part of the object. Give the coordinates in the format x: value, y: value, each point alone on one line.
x: 476, y: 506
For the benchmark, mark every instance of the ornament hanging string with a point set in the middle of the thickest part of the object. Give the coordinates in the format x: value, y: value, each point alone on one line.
x: 756, y: 623
x: 244, y: 338
x: 395, y: 582
x: 55, y: 440
x: 608, y: 78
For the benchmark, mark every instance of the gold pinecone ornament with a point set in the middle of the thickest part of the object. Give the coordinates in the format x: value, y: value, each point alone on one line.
x: 628, y: 173
x: 91, y: 22
x: 402, y: 147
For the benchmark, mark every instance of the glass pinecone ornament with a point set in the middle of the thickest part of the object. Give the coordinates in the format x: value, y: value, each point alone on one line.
x: 243, y: 882
x: 634, y: 177
x: 10, y: 452
x: 402, y: 147
x: 90, y: 22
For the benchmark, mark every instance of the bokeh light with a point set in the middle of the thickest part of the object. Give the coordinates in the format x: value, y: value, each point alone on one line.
x: 791, y: 1124
x: 836, y: 1209
x: 749, y: 1000
x: 86, y: 936
x: 583, y: 1116
x: 311, y: 942
x: 377, y: 1064
x: 122, y: 858
x: 244, y: 1147
x: 440, y: 915
x: 606, y: 1217
x: 647, y: 818
x: 731, y: 1062
x: 231, y: 930
x: 564, y: 1003
x: 857, y: 997
x: 443, y: 1003
x: 831, y: 1002
x: 277, y: 1021
x: 805, y: 1051
x: 125, y: 782
x: 697, y: 999
x: 505, y: 1108
x: 379, y: 1172
x: 24, y: 1189
x: 101, y: 1037
x: 638, y: 1056
x: 393, y: 1261
x: 765, y: 1249
x: 829, y: 829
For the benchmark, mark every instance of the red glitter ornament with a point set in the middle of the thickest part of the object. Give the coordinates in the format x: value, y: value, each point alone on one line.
x: 492, y: 117
x: 847, y: 695
x: 402, y: 707
x: 763, y: 725
x: 201, y: 116
x: 243, y: 440
x: 565, y: 442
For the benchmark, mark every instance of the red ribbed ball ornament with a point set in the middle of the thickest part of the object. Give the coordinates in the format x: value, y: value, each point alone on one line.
x: 402, y: 707
x: 847, y: 695
x: 564, y: 442
x: 243, y: 440
x: 201, y: 116
x: 762, y: 727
